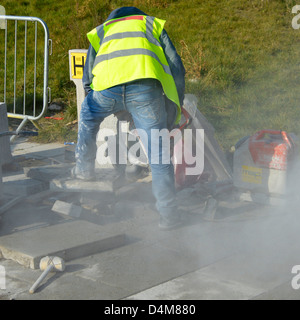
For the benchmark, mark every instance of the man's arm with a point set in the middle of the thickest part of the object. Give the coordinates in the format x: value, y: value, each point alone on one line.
x: 175, y: 64
x: 87, y: 77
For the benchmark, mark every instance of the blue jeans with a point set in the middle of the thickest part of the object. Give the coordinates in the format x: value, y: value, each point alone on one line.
x: 144, y: 100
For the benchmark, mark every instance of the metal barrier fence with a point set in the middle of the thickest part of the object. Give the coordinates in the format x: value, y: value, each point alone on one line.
x: 14, y: 54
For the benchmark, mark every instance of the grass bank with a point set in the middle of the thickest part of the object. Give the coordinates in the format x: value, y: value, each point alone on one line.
x: 241, y: 57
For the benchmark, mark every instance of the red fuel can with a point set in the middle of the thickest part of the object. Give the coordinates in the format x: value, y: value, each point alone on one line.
x: 262, y: 163
x: 271, y: 149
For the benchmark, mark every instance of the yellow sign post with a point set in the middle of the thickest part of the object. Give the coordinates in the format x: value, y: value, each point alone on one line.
x: 77, y: 58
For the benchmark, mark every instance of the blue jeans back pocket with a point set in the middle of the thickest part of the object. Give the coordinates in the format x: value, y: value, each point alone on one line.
x: 106, y: 104
x: 149, y: 112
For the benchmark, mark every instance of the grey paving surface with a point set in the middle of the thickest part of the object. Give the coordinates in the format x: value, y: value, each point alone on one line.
x: 248, y: 252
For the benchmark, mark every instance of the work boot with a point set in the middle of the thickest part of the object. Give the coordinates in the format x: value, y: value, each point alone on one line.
x: 177, y: 220
x: 80, y: 176
x: 133, y: 172
x: 171, y: 223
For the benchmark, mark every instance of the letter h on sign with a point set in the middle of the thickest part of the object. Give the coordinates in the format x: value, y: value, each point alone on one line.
x: 81, y: 65
x: 77, y: 63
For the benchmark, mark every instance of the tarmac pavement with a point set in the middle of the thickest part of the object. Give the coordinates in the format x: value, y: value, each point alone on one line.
x: 114, y: 249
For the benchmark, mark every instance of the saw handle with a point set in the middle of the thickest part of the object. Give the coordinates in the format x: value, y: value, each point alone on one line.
x: 187, y: 117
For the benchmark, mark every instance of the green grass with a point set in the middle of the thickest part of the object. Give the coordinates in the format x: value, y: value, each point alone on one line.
x: 241, y: 57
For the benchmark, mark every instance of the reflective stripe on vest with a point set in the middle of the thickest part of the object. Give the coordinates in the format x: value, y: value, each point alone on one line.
x: 141, y: 49
x: 131, y: 52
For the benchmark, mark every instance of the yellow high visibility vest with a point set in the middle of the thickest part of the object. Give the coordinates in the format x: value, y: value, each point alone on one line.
x: 129, y: 49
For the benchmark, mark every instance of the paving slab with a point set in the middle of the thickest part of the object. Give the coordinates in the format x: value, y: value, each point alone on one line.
x: 241, y: 259
x: 68, y: 240
x: 238, y: 277
x: 21, y: 185
x: 107, y: 180
x: 74, y: 185
x: 46, y: 173
x: 231, y: 278
x: 37, y: 150
x: 199, y: 261
x: 199, y: 285
x: 113, y: 275
x: 283, y: 291
x: 236, y: 256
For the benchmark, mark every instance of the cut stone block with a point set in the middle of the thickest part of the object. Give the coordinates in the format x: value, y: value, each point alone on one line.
x: 66, y: 208
x: 73, y: 185
x: 46, y: 173
x: 106, y: 180
x: 23, y: 186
